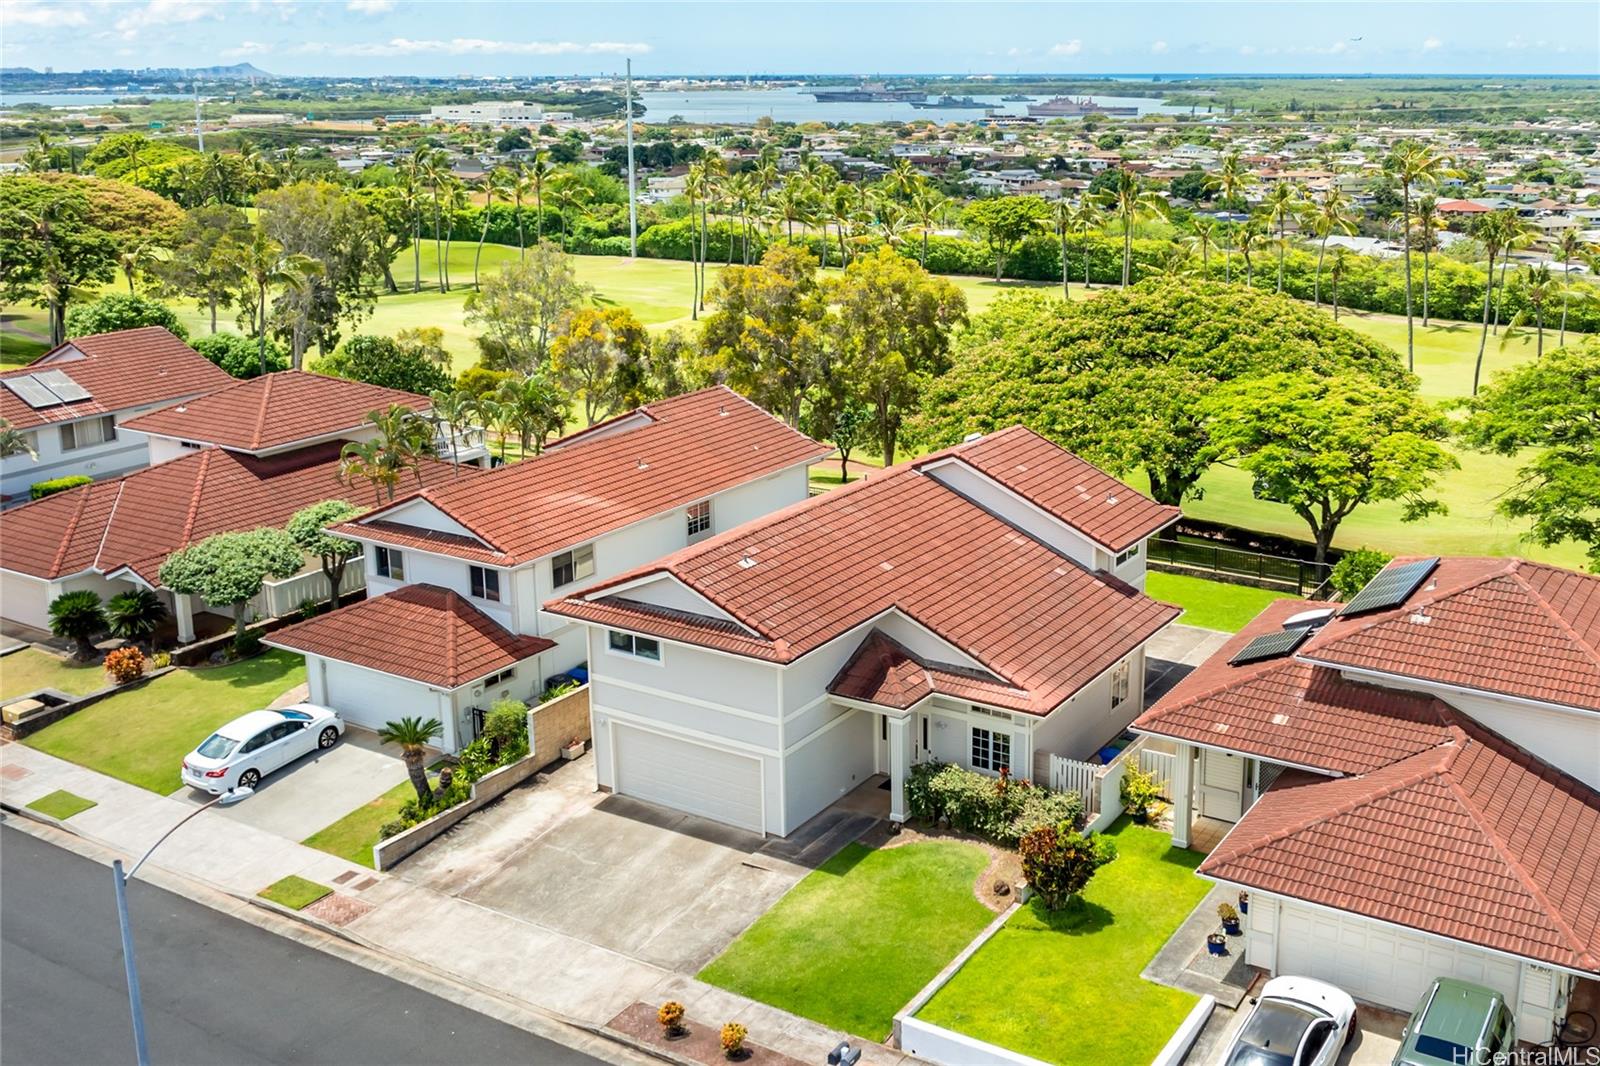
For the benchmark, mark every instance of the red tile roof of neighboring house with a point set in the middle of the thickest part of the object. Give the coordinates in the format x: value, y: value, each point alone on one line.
x: 137, y: 520
x: 1292, y: 712
x: 424, y: 632
x: 886, y: 672
x: 687, y: 448
x: 1461, y: 207
x: 1104, y: 509
x: 1474, y: 839
x: 274, y: 411
x: 900, y: 540
x: 122, y: 370
x: 1499, y: 625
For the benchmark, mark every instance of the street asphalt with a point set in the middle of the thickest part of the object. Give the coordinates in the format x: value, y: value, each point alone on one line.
x: 216, y: 990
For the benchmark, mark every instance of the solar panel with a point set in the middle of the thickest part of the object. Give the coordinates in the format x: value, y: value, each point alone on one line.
x: 58, y: 382
x: 1392, y: 587
x: 32, y: 392
x: 1270, y: 646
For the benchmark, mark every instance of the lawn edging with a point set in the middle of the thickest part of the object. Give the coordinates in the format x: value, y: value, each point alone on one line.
x: 485, y: 790
x: 938, y: 1044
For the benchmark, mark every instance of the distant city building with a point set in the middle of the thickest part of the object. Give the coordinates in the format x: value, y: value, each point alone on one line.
x: 490, y: 113
x: 252, y: 120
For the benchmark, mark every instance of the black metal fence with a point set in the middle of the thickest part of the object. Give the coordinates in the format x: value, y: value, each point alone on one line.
x: 1269, y: 571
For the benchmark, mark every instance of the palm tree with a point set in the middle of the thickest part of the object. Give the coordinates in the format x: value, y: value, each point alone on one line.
x: 1519, y: 234
x: 1204, y: 235
x: 1341, y: 262
x: 1493, y: 231
x: 135, y: 615
x: 405, y: 437
x: 1427, y: 233
x: 454, y: 192
x: 1232, y: 178
x: 1538, y: 288
x: 838, y: 210
x: 1059, y: 222
x: 1282, y: 202
x: 435, y: 173
x: 902, y: 181
x: 456, y: 411
x: 926, y: 205
x: 266, y: 266
x: 1251, y: 235
x: 791, y: 203
x: 1129, y: 200
x: 694, y: 188
x: 1413, y: 165
x: 1569, y: 247
x: 140, y: 257
x: 14, y: 441
x: 411, y: 180
x: 1329, y: 215
x: 498, y: 180
x: 412, y: 735
x: 130, y: 150
x: 570, y: 196
x: 1087, y: 218
x: 533, y: 407
x: 539, y: 172
x: 370, y: 461
x: 79, y: 617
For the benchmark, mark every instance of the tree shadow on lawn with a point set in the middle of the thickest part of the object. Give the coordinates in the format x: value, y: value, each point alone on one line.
x: 1077, y: 919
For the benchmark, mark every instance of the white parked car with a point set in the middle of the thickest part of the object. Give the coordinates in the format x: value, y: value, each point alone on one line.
x: 255, y: 744
x: 1297, y: 1021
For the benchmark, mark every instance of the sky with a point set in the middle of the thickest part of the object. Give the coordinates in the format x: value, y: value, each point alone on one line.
x: 373, y: 37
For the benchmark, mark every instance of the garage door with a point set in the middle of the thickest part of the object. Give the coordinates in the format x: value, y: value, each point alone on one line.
x: 25, y: 599
x: 686, y: 776
x: 368, y: 698
x: 1379, y: 963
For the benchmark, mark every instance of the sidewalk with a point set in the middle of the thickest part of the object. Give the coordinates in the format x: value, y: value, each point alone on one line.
x: 576, y: 982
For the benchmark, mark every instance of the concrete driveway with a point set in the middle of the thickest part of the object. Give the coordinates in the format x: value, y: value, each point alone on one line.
x: 1376, y: 1039
x: 318, y: 789
x: 665, y: 888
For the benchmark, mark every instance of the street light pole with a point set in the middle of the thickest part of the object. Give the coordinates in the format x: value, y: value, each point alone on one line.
x: 120, y: 880
x: 633, y: 211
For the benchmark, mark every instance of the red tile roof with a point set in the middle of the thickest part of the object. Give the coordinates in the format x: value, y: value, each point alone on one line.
x: 1292, y: 712
x: 1461, y: 207
x: 1499, y: 625
x: 1104, y: 509
x: 886, y: 672
x: 1474, y: 839
x: 424, y: 632
x: 129, y: 368
x: 137, y: 520
x: 274, y: 411
x: 903, y: 541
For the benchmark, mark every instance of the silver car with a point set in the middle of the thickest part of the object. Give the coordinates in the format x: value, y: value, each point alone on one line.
x: 251, y: 746
x: 1297, y: 1021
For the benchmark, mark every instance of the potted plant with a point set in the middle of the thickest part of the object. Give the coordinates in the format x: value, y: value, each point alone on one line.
x: 1244, y: 903
x: 572, y: 749
x: 733, y: 1035
x: 670, y: 1015
x: 1230, y: 919
x: 1217, y: 944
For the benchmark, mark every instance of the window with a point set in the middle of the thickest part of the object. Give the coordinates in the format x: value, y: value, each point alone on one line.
x: 699, y: 516
x: 485, y: 583
x: 638, y: 647
x: 75, y: 435
x: 503, y: 677
x: 570, y: 566
x: 990, y: 750
x: 391, y: 564
x: 1131, y: 553
x: 1119, y: 683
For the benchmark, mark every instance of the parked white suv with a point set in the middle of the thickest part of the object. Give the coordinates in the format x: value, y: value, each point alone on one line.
x: 253, y: 745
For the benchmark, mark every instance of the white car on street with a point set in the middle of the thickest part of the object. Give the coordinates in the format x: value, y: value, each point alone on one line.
x: 253, y: 745
x: 1297, y: 1021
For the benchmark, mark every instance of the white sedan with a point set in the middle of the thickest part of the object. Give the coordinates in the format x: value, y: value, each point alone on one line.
x: 1297, y: 1021
x: 251, y: 746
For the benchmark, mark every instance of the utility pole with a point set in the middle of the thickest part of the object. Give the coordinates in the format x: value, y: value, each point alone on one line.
x: 199, y: 130
x: 633, y: 209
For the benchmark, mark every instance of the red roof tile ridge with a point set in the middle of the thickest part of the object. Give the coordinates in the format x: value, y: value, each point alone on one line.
x: 1555, y: 616
x: 72, y: 527
x: 1412, y: 605
x: 261, y: 413
x: 425, y: 495
x: 196, y: 495
x: 111, y: 516
x: 452, y: 603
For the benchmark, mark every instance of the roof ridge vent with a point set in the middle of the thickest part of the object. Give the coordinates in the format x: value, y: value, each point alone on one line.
x: 970, y: 437
x: 746, y: 561
x: 1315, y: 618
x: 722, y: 410
x: 642, y: 464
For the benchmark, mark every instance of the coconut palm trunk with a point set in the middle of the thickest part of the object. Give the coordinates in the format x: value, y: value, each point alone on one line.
x: 1483, y: 339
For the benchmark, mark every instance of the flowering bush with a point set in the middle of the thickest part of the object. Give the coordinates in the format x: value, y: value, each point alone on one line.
x: 670, y: 1015
x: 125, y: 664
x: 1002, y: 809
x: 1058, y: 862
x: 733, y: 1035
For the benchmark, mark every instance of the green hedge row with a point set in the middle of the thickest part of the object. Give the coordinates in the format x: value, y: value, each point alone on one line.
x: 40, y: 489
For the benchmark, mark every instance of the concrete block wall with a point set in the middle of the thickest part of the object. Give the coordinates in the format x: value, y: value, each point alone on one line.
x: 556, y: 722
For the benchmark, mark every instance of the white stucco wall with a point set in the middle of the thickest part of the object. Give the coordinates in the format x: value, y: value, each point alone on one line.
x: 1077, y: 728
x: 1004, y: 503
x: 421, y: 568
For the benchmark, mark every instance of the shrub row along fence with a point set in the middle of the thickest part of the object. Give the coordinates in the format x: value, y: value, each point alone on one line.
x: 1257, y: 568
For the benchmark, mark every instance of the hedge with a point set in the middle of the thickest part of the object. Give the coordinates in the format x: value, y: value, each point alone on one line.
x: 1002, y: 809
x: 40, y: 489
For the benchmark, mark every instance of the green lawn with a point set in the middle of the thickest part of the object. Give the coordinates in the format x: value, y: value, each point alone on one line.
x: 142, y: 735
x: 353, y: 836
x: 61, y: 804
x: 1210, y: 604
x: 293, y: 892
x: 31, y: 669
x: 857, y: 938
x: 1065, y: 987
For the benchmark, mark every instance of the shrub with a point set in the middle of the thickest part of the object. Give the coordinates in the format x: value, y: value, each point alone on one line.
x: 246, y: 644
x: 1226, y: 912
x: 308, y: 609
x: 1001, y: 809
x: 394, y: 827
x: 40, y: 489
x: 125, y: 664
x: 1058, y: 862
x: 670, y: 1015
x: 240, y: 356
x: 121, y: 311
x: 78, y: 616
x: 1352, y: 572
x: 135, y: 614
x: 161, y: 660
x: 733, y: 1035
x: 1139, y: 792
x: 381, y: 361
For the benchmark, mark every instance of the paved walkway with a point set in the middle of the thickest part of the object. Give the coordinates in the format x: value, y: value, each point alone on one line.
x: 569, y: 978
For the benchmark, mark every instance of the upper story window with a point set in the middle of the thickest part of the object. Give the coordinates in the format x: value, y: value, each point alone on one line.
x: 699, y: 519
x: 638, y: 647
x: 1119, y: 682
x: 485, y: 583
x: 391, y: 564
x: 1131, y: 553
x: 570, y: 566
x: 89, y: 432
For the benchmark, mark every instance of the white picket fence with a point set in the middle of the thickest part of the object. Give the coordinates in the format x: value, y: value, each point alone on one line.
x: 1159, y: 765
x: 1101, y: 785
x: 1070, y: 775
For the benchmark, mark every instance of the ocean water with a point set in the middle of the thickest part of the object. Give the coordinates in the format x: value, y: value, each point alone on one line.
x: 745, y: 106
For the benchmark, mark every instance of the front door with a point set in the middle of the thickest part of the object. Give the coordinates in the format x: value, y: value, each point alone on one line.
x: 920, y: 727
x: 1221, y: 785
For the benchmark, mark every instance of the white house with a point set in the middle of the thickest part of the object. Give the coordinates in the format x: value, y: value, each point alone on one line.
x: 1408, y: 782
x: 492, y: 549
x: 72, y: 402
x: 980, y: 606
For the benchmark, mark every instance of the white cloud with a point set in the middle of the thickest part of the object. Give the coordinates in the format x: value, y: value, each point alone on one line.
x: 1432, y: 44
x: 1247, y: 49
x: 370, y: 7
x: 1158, y: 48
x: 1067, y: 48
x: 167, y: 12
x: 29, y: 13
x: 246, y: 48
x: 462, y: 46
